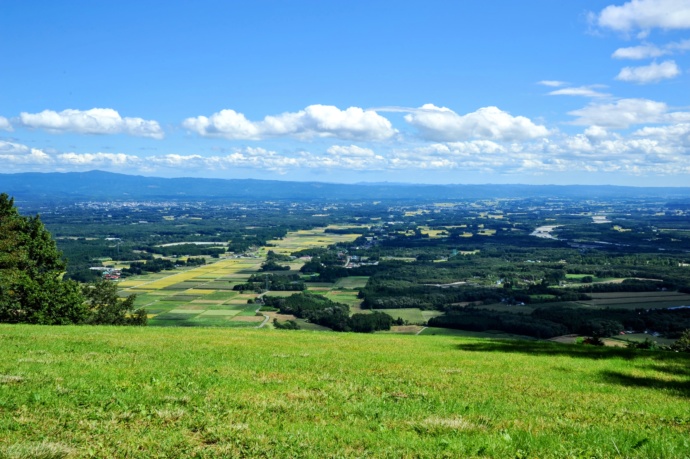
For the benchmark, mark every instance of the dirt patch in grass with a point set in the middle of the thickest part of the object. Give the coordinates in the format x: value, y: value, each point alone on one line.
x: 406, y: 329
x: 565, y: 339
x: 43, y: 450
x: 280, y: 317
x: 248, y: 319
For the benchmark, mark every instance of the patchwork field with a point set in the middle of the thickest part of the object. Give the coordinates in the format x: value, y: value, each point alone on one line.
x: 112, y: 392
x: 644, y: 300
x: 204, y: 296
x: 618, y: 300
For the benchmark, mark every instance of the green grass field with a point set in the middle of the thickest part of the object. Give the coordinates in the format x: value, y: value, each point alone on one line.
x: 184, y: 392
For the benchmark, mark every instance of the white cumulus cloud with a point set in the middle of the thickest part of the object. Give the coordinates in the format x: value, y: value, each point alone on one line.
x: 596, y: 132
x: 5, y: 124
x: 93, y: 121
x: 645, y: 15
x: 675, y: 134
x: 314, y: 121
x: 649, y: 73
x: 622, y: 113
x: 491, y: 123
x: 16, y: 153
x: 350, y: 150
x: 98, y: 159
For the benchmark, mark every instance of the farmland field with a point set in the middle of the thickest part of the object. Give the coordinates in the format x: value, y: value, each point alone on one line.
x: 203, y: 296
x: 352, y: 282
x: 74, y: 391
x: 411, y: 315
x: 644, y: 300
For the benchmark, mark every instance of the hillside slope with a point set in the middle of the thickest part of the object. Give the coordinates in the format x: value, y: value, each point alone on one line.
x: 138, y: 392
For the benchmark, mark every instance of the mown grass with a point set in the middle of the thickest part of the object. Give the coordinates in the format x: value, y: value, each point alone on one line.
x: 185, y: 392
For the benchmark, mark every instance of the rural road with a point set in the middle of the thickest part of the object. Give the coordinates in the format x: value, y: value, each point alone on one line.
x: 266, y: 317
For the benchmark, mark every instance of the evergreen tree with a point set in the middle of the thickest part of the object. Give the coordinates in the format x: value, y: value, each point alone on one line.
x: 31, y: 286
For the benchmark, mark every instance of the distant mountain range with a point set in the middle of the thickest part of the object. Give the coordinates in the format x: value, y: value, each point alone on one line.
x: 99, y: 185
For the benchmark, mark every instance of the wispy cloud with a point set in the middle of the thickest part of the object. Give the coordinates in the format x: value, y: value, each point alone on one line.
x: 552, y: 83
x: 582, y: 91
x: 646, y: 51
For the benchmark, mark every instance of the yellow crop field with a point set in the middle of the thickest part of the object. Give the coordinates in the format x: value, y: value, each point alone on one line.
x: 432, y: 232
x: 307, y: 239
x: 203, y: 296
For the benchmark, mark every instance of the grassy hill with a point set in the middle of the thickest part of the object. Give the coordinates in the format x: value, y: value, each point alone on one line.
x: 160, y: 392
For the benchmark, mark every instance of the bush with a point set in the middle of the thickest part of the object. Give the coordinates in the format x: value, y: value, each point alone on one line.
x: 287, y: 325
x: 647, y: 345
x: 682, y: 344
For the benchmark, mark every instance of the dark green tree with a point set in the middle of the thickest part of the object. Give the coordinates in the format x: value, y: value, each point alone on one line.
x: 31, y: 267
x: 107, y: 308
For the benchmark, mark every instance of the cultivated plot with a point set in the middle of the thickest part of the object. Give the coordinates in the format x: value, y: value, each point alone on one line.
x: 204, y: 295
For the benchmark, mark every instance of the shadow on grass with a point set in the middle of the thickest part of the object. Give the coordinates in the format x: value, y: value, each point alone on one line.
x: 681, y: 388
x: 574, y: 350
x: 674, y: 364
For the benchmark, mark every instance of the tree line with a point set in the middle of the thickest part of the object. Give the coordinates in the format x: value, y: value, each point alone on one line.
x: 323, y: 311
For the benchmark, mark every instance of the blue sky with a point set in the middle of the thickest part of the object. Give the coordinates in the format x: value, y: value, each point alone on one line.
x: 472, y: 91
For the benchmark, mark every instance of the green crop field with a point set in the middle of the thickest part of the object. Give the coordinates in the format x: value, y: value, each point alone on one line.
x: 189, y: 297
x: 352, y: 282
x: 411, y: 315
x: 161, y: 392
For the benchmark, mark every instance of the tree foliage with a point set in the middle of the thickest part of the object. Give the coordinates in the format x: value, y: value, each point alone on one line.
x: 31, y: 286
x: 320, y: 310
x: 106, y: 308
